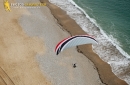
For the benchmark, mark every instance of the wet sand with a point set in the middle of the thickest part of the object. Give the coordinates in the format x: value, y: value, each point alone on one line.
x: 104, y: 69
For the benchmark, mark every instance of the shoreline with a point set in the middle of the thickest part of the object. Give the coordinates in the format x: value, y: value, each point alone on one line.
x: 111, y: 39
x: 106, y: 75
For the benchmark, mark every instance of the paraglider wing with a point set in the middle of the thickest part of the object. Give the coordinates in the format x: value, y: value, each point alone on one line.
x: 74, y: 41
x: 60, y: 43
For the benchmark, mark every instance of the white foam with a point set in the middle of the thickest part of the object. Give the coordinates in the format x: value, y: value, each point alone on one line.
x: 110, y: 38
x: 107, y: 45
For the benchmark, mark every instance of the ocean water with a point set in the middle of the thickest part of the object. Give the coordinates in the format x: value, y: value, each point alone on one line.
x: 109, y: 27
x: 113, y: 16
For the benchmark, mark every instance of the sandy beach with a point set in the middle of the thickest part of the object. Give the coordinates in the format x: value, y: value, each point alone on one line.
x: 28, y: 38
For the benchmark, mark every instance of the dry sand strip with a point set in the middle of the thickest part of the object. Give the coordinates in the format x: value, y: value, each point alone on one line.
x: 18, y: 65
x: 104, y: 69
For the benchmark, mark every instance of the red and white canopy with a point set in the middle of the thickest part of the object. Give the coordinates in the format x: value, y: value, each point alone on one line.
x: 74, y: 41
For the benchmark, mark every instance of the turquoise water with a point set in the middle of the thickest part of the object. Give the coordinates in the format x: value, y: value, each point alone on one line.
x: 113, y: 16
